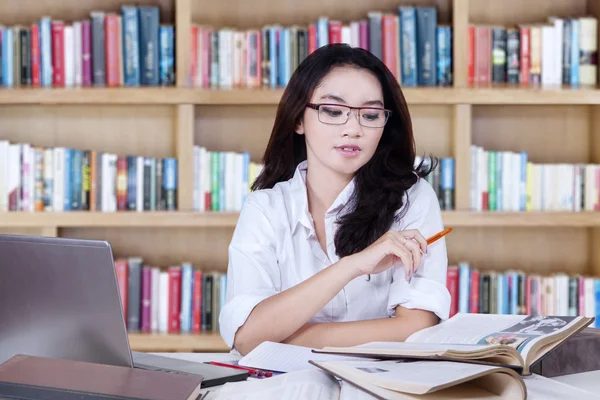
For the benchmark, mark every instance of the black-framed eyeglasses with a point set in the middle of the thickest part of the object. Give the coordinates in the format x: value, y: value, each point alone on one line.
x: 337, y: 114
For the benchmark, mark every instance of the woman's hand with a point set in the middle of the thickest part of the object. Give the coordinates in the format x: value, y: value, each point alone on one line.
x: 391, y: 248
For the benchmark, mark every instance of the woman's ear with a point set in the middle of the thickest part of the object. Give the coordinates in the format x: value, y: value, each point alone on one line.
x: 300, y: 127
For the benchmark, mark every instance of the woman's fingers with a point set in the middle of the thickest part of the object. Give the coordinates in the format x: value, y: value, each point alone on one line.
x: 404, y: 254
x: 413, y: 250
x: 416, y: 235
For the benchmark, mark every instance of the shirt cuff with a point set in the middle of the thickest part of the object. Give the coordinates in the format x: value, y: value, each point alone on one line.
x: 421, y: 293
x: 234, y: 314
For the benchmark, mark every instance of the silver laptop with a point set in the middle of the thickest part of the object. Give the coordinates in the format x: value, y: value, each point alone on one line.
x: 59, y: 298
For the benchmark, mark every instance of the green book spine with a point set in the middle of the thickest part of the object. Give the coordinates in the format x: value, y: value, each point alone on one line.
x: 492, y: 181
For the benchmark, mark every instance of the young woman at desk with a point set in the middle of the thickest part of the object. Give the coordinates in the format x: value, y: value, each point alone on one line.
x: 329, y: 248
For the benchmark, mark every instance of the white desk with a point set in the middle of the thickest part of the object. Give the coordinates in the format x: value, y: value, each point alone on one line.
x: 537, y: 390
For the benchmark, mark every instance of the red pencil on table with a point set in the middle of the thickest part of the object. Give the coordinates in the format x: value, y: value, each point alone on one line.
x: 251, y: 371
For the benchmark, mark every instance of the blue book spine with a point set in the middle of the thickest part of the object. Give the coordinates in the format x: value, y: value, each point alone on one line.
x: 597, y: 302
x: 46, y: 52
x: 186, y: 297
x: 76, y: 178
x: 426, y: 45
x: 575, y: 27
x: 447, y: 165
x: 245, y: 176
x: 284, y: 39
x: 223, y: 291
x: 68, y: 183
x: 523, y: 182
x: 444, y: 55
x: 322, y: 32
x: 514, y: 293
x: 7, y: 57
x: 500, y: 297
x: 499, y: 188
x: 170, y: 182
x: 131, y: 46
x: 464, y: 277
x: 167, y: 55
x: 273, y: 50
x: 408, y: 45
x: 148, y: 24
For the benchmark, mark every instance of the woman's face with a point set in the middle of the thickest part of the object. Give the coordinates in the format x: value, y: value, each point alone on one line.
x: 331, y: 141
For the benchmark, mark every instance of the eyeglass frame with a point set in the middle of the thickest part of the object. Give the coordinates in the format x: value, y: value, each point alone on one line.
x: 316, y: 106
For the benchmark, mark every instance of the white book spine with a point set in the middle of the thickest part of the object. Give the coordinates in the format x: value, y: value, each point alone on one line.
x: 112, y: 186
x: 589, y: 297
x: 4, y: 175
x: 106, y: 181
x: 154, y: 299
x: 163, y: 303
x: 77, y: 53
x: 140, y: 184
x: 557, y: 58
x: 354, y: 33
x: 548, y: 48
x: 31, y: 178
x: 49, y: 179
x: 69, y: 56
x: 59, y: 179
x: 588, y: 45
x: 346, y: 34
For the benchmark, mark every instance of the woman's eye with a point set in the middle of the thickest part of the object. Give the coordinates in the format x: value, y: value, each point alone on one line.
x: 371, y: 117
x: 332, y: 112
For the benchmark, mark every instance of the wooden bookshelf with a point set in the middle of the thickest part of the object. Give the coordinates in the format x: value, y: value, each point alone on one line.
x: 553, y: 124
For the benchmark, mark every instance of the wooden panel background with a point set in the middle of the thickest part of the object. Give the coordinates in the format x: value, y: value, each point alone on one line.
x: 550, y: 134
x: 519, y: 11
x: 246, y: 14
x: 140, y: 130
x: 15, y: 12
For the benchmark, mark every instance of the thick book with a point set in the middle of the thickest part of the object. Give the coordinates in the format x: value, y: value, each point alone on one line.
x: 515, y: 341
x: 391, y: 380
x: 43, y: 378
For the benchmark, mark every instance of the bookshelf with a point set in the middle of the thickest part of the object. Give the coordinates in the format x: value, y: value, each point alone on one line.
x: 553, y: 124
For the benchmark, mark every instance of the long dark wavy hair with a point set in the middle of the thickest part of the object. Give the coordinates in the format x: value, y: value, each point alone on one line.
x: 381, y: 183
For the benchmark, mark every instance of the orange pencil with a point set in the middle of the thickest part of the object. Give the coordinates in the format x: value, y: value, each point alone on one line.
x: 439, y: 235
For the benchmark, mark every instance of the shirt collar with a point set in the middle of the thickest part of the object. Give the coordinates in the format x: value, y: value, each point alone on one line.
x: 300, y: 213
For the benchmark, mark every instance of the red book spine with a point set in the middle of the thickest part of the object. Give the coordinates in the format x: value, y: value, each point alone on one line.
x: 389, y: 43
x: 193, y: 55
x: 483, y: 49
x: 363, y: 35
x: 452, y: 285
x: 35, y: 56
x: 58, y: 53
x: 122, y: 280
x: 86, y: 53
x: 312, y: 38
x: 525, y: 55
x: 111, y: 45
x: 146, y: 298
x: 206, y: 35
x: 174, y: 299
x: 474, y: 306
x: 335, y: 32
x: 528, y: 295
x: 471, y: 55
x: 197, y: 302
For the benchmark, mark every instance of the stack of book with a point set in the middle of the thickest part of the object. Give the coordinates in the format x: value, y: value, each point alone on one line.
x: 222, y: 179
x: 475, y: 290
x: 554, y: 52
x: 35, y: 178
x: 509, y: 181
x: 176, y: 299
x: 409, y: 40
x: 130, y: 48
x: 441, y: 179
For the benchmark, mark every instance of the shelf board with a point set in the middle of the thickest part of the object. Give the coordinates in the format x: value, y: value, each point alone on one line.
x: 175, y: 219
x: 192, y: 342
x: 172, y: 95
x: 72, y: 219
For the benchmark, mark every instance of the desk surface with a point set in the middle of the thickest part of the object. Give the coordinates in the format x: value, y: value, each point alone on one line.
x: 537, y: 389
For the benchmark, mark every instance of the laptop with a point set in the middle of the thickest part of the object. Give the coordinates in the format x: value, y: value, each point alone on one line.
x: 59, y: 298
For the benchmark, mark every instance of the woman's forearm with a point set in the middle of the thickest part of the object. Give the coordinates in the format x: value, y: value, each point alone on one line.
x: 345, y: 334
x: 276, y: 318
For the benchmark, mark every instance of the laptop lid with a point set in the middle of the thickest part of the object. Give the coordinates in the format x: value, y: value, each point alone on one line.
x: 59, y: 299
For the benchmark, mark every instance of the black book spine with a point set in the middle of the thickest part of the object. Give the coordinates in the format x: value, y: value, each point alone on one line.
x: 498, y: 55
x: 513, y: 65
x: 149, y: 17
x: 98, y: 56
x: 147, y: 183
x: 160, y: 199
x: 566, y: 52
x: 25, y: 57
x: 266, y: 58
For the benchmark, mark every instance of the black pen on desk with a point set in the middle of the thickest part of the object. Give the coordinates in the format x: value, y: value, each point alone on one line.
x: 431, y: 240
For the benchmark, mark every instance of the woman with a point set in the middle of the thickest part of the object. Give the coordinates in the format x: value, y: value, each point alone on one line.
x: 329, y: 248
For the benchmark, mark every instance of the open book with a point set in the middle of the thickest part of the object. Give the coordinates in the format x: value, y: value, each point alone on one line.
x: 517, y: 341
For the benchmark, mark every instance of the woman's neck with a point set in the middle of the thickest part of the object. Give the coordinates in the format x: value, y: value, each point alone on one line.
x: 323, y: 186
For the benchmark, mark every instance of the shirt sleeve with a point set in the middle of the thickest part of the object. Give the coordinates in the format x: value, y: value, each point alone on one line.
x: 427, y: 290
x: 252, y: 273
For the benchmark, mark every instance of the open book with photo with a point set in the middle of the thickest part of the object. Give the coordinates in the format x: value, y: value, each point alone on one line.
x: 516, y: 341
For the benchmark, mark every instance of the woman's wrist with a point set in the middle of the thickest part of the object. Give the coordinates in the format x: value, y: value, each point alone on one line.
x: 349, y: 268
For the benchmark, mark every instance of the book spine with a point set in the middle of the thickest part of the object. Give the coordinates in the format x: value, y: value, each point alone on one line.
x: 167, y: 55
x: 170, y: 183
x: 146, y: 299
x: 86, y: 53
x: 46, y: 51
x: 513, y: 67
x: 7, y: 55
x: 408, y: 45
x: 174, y: 299
x: 131, y: 49
x: 98, y: 49
x: 147, y: 185
x: 588, y: 50
x: 76, y: 51
x: 58, y: 53
x: 85, y: 180
x: 69, y: 59
x: 498, y: 55
x: 187, y: 275
x: 134, y: 283
x: 426, y: 45
x: 525, y: 61
x: 575, y: 28
x: 471, y: 55
x: 35, y: 56
x: 197, y: 302
x: 122, y: 271
x: 149, y: 45
x: 111, y: 53
x: 474, y: 296
x: 566, y: 52
x: 444, y: 55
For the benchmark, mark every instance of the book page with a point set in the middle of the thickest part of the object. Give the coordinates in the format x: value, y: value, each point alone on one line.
x: 415, y: 348
x: 300, y: 385
x: 285, y: 357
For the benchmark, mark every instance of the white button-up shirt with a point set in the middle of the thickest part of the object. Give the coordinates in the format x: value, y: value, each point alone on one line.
x: 274, y: 247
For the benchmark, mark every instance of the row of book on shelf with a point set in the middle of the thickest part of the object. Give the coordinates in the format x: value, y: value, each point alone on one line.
x: 222, y: 179
x: 509, y: 181
x: 441, y: 179
x: 176, y: 299
x: 36, y: 178
x: 474, y: 290
x: 409, y: 40
x: 553, y: 52
x: 130, y: 48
